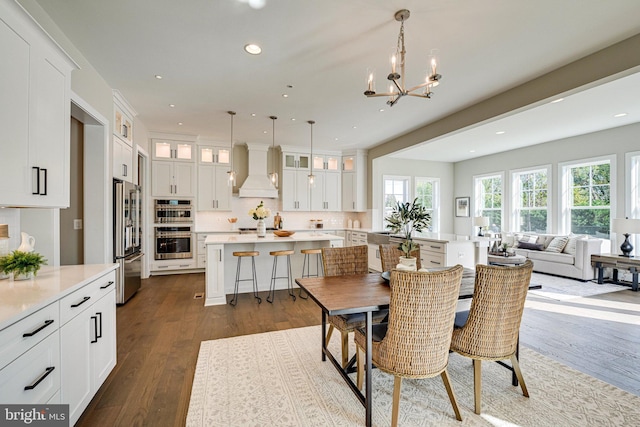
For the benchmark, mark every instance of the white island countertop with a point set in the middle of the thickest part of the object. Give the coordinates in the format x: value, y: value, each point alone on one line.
x: 217, y: 239
x: 20, y: 298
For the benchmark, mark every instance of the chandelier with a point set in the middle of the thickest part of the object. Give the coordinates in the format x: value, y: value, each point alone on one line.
x: 397, y: 88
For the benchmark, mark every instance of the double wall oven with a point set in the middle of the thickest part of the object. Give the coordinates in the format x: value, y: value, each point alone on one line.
x: 174, y: 229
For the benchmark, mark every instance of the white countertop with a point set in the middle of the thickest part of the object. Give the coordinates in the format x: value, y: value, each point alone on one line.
x: 226, y: 239
x: 20, y: 298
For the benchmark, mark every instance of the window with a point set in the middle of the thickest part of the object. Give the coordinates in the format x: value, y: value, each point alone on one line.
x: 530, y: 200
x: 587, y: 201
x: 488, y: 198
x: 396, y: 189
x: 428, y: 195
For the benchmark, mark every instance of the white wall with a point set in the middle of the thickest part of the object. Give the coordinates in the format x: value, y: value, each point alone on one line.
x: 413, y: 168
x: 616, y: 142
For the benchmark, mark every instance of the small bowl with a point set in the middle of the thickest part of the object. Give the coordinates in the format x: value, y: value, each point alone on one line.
x: 283, y: 233
x: 232, y: 220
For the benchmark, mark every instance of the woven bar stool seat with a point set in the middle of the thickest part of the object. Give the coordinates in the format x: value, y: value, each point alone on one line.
x: 306, y: 266
x: 275, y: 277
x: 253, y: 278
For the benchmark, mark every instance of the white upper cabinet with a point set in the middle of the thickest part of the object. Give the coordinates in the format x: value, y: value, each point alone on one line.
x: 34, y: 113
x: 327, y: 163
x: 354, y: 181
x: 209, y: 155
x: 122, y: 160
x: 123, y: 152
x: 181, y: 151
x: 295, y: 161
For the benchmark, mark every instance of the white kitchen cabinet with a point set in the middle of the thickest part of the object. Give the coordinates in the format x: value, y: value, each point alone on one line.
x: 291, y: 160
x: 34, y: 113
x: 172, y: 179
x: 123, y: 115
x: 354, y: 181
x: 209, y: 155
x: 326, y: 162
x: 358, y: 238
x: 325, y: 195
x: 295, y: 190
x: 214, y: 191
x: 178, y: 151
x: 88, y: 342
x: 444, y: 250
x: 122, y: 160
x: 375, y: 262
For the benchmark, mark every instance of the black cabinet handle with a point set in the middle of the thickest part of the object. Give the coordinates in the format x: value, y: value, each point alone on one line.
x: 95, y: 326
x: 35, y: 179
x: 32, y: 333
x: 78, y: 304
x: 99, y: 334
x: 107, y: 285
x: 40, y: 379
x: 44, y: 172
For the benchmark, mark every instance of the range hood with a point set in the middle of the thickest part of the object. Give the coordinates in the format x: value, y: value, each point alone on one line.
x: 258, y: 183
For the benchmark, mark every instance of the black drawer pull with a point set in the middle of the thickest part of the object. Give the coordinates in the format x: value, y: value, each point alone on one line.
x: 434, y: 262
x: 107, y: 285
x: 434, y: 247
x: 40, y: 379
x: 32, y: 333
x: 78, y: 304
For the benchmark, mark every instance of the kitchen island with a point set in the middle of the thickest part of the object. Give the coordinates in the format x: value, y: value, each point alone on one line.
x: 221, y: 264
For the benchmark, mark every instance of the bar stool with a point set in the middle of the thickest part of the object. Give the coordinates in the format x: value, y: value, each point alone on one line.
x: 306, y: 266
x: 274, y: 272
x: 253, y: 278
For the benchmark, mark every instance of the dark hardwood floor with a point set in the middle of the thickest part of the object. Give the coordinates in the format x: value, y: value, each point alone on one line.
x: 160, y: 330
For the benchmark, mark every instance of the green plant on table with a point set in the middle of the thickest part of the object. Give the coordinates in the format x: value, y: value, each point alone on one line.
x: 18, y: 262
x: 405, y: 218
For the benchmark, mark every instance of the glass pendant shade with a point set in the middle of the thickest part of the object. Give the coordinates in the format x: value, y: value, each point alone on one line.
x: 311, y: 177
x: 231, y: 174
x: 273, y: 175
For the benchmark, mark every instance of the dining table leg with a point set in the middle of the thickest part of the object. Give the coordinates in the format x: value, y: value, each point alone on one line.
x: 323, y: 348
x: 369, y: 385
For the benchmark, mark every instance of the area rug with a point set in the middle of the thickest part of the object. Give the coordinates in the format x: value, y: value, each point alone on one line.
x: 561, y: 288
x: 278, y: 379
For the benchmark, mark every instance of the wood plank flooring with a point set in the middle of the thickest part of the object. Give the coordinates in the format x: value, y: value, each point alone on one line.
x: 160, y: 330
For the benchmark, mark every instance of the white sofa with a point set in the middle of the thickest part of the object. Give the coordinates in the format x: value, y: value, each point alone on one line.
x: 573, y: 261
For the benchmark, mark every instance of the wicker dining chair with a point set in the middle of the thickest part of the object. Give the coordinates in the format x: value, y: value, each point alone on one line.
x: 390, y: 256
x: 342, y: 262
x: 490, y: 329
x: 415, y: 341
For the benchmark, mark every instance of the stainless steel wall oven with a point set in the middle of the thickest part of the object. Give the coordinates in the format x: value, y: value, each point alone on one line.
x: 174, y: 242
x: 173, y: 211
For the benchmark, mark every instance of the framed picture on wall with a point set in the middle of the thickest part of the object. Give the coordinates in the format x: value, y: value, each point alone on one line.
x: 462, y: 206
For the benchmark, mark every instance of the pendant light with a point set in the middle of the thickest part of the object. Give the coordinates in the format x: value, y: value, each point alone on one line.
x: 312, y: 178
x: 273, y: 176
x: 231, y: 173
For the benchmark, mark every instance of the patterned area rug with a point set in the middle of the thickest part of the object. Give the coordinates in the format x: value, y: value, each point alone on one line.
x: 278, y: 379
x: 562, y: 289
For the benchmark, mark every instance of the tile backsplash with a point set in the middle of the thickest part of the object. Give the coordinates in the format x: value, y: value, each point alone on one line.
x: 12, y: 218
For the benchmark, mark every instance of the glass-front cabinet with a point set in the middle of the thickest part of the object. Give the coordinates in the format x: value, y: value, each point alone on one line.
x: 295, y: 161
x: 172, y: 150
x: 210, y: 155
x: 327, y: 163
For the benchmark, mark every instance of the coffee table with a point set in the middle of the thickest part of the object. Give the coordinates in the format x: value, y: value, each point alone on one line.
x: 505, y: 260
x: 617, y: 262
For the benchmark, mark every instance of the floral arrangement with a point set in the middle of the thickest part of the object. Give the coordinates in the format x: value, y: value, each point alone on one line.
x: 260, y: 212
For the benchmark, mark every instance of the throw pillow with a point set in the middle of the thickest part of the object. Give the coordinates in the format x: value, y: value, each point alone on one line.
x: 557, y: 244
x: 528, y: 238
x: 531, y: 246
x: 570, y: 248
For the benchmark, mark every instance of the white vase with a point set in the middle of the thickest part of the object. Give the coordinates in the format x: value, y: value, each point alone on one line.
x: 409, y: 262
x: 25, y: 276
x: 28, y: 243
x: 261, y: 228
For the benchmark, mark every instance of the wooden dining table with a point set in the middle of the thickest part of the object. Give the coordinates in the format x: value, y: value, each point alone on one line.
x: 358, y: 293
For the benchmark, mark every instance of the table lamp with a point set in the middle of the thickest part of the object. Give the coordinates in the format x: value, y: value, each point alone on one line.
x: 626, y: 227
x: 481, y: 222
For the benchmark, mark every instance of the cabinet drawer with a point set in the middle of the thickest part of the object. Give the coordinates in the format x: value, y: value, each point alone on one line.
x: 432, y: 259
x: 433, y: 247
x: 36, y: 327
x: 78, y: 301
x: 38, y: 370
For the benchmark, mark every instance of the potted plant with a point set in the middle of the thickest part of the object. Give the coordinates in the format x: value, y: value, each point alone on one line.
x: 405, y: 218
x: 23, y: 265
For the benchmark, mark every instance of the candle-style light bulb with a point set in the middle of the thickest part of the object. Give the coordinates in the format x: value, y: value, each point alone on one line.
x: 370, y: 82
x: 393, y: 64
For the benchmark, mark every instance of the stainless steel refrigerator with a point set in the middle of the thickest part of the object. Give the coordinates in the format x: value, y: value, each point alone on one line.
x: 127, y: 238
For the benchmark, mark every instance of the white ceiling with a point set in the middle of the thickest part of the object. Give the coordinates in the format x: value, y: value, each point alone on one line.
x: 324, y: 48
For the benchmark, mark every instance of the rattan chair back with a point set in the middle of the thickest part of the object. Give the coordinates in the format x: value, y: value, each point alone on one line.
x: 421, y: 314
x: 345, y: 261
x: 491, y: 331
x: 390, y: 256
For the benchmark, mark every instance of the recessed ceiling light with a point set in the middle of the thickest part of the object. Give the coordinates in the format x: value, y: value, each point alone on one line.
x: 500, y: 132
x: 179, y: 123
x: 336, y: 139
x: 381, y: 110
x: 620, y: 115
x: 555, y: 101
x: 472, y: 151
x: 284, y: 95
x: 355, y: 127
x: 253, y: 114
x: 293, y: 119
x: 172, y: 105
x: 252, y: 49
x: 264, y: 131
x: 158, y: 76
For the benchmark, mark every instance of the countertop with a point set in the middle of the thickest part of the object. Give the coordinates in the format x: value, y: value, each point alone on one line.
x: 217, y: 239
x: 21, y: 298
x: 301, y: 230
